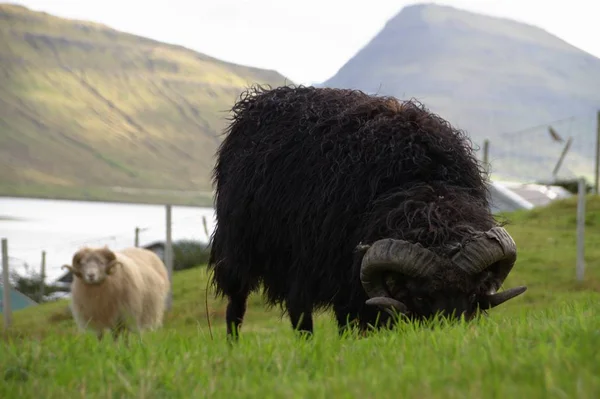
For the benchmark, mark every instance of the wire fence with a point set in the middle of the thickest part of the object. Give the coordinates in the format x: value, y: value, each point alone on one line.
x: 562, y: 149
x: 43, y: 235
x: 29, y: 238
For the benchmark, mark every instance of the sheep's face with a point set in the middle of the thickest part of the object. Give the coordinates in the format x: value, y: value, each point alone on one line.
x: 93, y: 266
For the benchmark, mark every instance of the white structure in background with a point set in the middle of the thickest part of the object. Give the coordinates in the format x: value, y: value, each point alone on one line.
x: 511, y: 196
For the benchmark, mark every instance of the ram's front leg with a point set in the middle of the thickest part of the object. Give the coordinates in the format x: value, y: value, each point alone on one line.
x: 119, y: 329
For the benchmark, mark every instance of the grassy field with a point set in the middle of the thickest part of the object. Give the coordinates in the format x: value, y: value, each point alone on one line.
x: 542, y: 345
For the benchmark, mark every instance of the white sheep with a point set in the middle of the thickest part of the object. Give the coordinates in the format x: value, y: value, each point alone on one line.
x: 118, y: 290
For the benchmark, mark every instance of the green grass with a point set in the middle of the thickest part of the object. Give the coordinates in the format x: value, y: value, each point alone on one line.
x: 83, y: 105
x: 541, y: 345
x: 546, y: 354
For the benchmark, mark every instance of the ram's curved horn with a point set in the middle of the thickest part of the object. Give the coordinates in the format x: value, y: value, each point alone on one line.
x: 75, y: 272
x: 391, y: 255
x: 110, y: 268
x: 498, y: 298
x: 493, y: 249
x: 389, y: 305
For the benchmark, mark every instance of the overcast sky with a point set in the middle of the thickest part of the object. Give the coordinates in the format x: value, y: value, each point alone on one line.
x: 306, y: 40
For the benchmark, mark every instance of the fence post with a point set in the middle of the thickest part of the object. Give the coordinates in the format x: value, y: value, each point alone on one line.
x: 137, y: 237
x: 6, y: 309
x: 205, y: 228
x: 169, y: 257
x: 597, y: 171
x: 580, y: 228
x: 486, y: 154
x: 42, y: 275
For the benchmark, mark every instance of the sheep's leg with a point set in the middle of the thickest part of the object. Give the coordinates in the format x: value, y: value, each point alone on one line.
x: 153, y: 318
x: 346, y: 319
x: 125, y: 333
x: 118, y: 330
x: 236, y: 309
x: 301, y: 319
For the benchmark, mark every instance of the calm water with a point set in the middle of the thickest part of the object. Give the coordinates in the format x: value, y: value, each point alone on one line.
x: 62, y: 227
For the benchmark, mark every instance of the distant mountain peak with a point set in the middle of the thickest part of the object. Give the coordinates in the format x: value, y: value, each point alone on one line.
x: 486, y: 74
x: 432, y: 14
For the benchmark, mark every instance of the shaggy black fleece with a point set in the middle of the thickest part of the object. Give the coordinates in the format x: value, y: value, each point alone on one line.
x: 305, y: 174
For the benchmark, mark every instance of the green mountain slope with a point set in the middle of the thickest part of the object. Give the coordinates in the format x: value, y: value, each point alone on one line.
x: 84, y: 107
x: 489, y: 76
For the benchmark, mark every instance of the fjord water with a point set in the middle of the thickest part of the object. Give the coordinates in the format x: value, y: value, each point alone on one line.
x: 60, y: 227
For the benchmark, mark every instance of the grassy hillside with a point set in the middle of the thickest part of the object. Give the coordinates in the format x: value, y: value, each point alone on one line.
x: 489, y: 76
x: 84, y: 108
x: 542, y: 345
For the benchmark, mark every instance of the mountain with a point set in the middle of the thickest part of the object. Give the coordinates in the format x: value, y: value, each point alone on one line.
x: 495, y: 78
x: 90, y: 112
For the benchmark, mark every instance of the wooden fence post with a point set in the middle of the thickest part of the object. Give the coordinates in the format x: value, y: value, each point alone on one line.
x: 6, y: 309
x: 580, y: 228
x: 169, y: 257
x: 486, y: 154
x: 597, y: 168
x: 42, y: 275
x: 205, y: 224
x: 137, y: 237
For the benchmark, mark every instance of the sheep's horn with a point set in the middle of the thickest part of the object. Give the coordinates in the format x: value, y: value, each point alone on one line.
x: 494, y: 249
x: 389, y: 305
x: 70, y: 268
x: 111, y: 265
x: 498, y: 298
x: 391, y: 255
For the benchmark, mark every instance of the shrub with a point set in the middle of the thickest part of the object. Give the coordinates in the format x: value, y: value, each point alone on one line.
x: 188, y: 254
